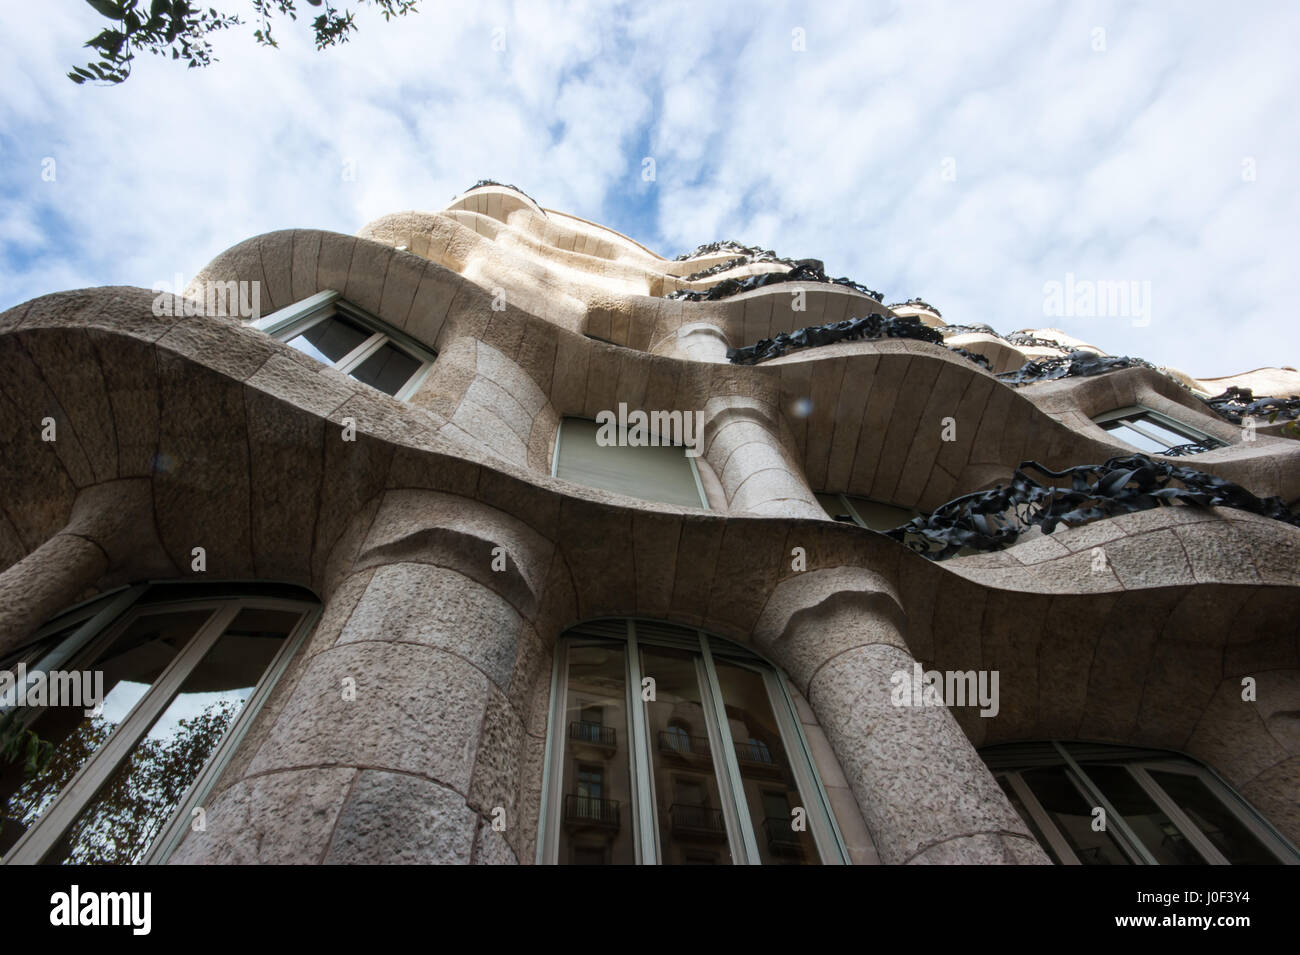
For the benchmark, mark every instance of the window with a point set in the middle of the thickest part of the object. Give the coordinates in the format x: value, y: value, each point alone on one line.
x: 1154, y: 433
x: 1161, y: 808
x: 653, y: 473
x: 865, y: 512
x: 340, y: 335
x: 184, y: 669
x: 710, y: 769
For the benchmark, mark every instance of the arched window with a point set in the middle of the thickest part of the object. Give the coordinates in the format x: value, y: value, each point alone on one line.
x: 139, y: 698
x: 1160, y: 808
x: 700, y: 759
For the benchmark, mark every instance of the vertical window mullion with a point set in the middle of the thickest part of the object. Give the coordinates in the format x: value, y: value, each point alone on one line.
x: 1046, y: 825
x: 78, y: 794
x: 647, y: 838
x: 746, y: 852
x: 551, y: 821
x: 170, y: 835
x: 1128, y: 838
x: 820, y: 818
x: 1191, y: 830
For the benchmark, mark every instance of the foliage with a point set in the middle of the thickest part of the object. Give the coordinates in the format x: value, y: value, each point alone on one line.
x: 180, y: 29
x: 139, y: 798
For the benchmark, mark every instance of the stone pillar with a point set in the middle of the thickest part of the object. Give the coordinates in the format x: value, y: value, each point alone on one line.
x: 925, y: 794
x: 758, y: 475
x: 702, y: 341
x: 111, y: 524
x: 402, y: 736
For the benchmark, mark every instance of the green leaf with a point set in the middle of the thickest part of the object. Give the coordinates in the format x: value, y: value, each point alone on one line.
x: 107, y: 8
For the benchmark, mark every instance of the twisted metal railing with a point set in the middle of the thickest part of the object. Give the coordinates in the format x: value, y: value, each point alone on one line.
x: 991, y: 520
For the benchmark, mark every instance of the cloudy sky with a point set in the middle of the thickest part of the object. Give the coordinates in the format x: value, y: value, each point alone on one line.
x: 969, y: 153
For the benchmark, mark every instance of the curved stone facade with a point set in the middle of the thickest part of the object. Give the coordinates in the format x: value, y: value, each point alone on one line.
x: 449, y: 560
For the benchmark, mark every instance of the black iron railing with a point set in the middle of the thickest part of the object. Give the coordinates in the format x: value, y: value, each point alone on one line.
x: 754, y: 753
x: 591, y: 811
x: 595, y: 733
x: 687, y: 819
x: 683, y: 745
x: 781, y: 838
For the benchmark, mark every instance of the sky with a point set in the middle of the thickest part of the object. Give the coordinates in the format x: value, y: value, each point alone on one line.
x: 972, y: 154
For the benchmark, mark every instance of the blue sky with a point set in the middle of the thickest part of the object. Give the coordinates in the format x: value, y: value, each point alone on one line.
x: 967, y: 153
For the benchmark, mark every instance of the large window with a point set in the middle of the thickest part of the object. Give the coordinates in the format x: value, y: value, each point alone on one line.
x: 338, y: 334
x: 183, y: 668
x: 670, y: 746
x: 653, y: 473
x: 1158, y: 808
x: 1155, y: 433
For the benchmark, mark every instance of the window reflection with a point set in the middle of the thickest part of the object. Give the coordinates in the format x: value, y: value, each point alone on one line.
x: 130, y: 809
x: 597, y: 822
x: 771, y: 792
x: 130, y: 664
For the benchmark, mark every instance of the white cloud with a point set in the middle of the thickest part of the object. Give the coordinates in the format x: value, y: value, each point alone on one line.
x: 1116, y: 164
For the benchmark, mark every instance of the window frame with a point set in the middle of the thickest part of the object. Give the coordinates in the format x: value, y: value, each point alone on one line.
x: 293, y: 320
x: 102, y: 621
x: 1137, y: 762
x: 690, y: 461
x: 1132, y: 417
x: 741, y: 834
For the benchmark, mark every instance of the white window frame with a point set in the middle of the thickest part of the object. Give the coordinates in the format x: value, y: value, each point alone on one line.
x: 1131, y: 417
x: 295, y: 319
x: 98, y: 631
x: 741, y: 835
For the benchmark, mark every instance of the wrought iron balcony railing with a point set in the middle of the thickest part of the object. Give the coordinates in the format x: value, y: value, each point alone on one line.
x: 699, y: 821
x: 754, y: 753
x: 591, y: 811
x: 596, y: 734
x: 781, y: 839
x: 680, y: 744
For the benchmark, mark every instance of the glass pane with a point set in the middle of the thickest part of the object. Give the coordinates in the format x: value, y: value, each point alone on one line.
x: 1123, y: 432
x: 330, y: 339
x: 1157, y: 831
x: 650, y: 473
x: 596, y: 798
x: 129, y: 811
x: 835, y: 509
x: 770, y: 789
x: 1221, y: 826
x: 388, y: 369
x: 688, y: 801
x: 130, y: 666
x: 881, y: 517
x: 1019, y: 804
x: 1072, y: 816
x: 1162, y: 431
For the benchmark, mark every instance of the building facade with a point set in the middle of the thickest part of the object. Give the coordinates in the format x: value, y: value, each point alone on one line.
x: 491, y: 536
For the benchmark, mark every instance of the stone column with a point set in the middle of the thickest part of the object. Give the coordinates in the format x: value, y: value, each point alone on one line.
x: 925, y: 794
x: 111, y: 524
x: 402, y: 736
x: 758, y: 475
